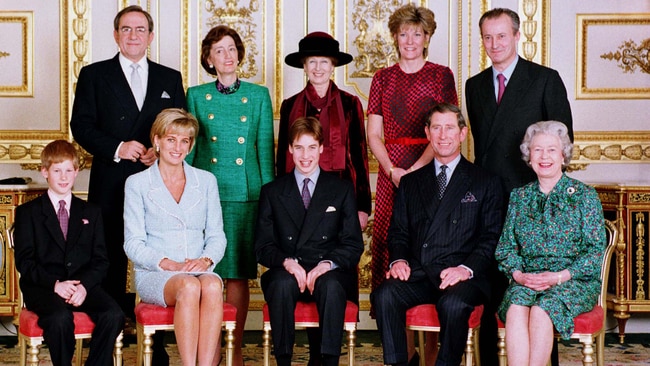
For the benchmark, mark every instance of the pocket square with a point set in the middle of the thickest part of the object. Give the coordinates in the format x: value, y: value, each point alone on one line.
x: 330, y: 209
x: 85, y: 221
x: 469, y: 197
x: 165, y: 95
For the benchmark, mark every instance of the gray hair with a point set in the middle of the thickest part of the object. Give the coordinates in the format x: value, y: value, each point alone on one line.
x: 553, y: 128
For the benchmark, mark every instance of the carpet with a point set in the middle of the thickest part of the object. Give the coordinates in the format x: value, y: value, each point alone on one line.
x: 636, y: 351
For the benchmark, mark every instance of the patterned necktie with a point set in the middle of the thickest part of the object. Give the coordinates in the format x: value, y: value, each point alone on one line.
x: 442, y: 181
x: 62, y: 215
x: 136, y: 85
x: 306, y: 197
x: 502, y: 87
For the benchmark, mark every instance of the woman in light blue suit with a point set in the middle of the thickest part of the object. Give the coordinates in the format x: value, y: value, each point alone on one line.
x: 173, y: 233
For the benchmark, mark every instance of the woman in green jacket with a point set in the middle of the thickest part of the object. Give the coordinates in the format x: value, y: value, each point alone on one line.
x: 235, y: 143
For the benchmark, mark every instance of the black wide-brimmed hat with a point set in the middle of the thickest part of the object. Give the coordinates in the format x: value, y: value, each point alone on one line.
x: 317, y: 44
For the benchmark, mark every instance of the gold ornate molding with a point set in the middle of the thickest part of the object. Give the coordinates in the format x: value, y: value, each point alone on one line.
x: 25, y: 20
x: 630, y: 56
x: 611, y: 147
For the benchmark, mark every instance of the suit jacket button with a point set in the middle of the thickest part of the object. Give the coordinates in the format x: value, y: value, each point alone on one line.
x: 210, y: 116
x: 425, y: 245
x: 243, y: 118
x: 213, y: 138
x: 69, y: 264
x: 241, y: 140
x: 239, y: 161
x: 208, y: 96
x: 324, y: 237
x: 244, y: 100
x: 289, y: 237
x: 454, y: 221
x: 213, y: 160
x: 122, y: 118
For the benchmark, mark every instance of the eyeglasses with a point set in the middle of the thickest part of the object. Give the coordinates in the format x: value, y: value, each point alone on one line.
x: 138, y: 30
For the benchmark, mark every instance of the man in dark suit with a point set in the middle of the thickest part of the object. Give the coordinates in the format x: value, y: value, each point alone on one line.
x: 308, y: 235
x: 529, y: 93
x: 61, y: 257
x: 446, y: 222
x: 116, y: 102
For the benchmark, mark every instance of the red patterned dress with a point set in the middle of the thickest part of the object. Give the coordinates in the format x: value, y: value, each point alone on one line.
x: 402, y: 100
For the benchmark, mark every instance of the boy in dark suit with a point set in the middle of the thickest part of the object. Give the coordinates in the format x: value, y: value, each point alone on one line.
x: 308, y: 235
x: 61, y: 257
x: 445, y: 226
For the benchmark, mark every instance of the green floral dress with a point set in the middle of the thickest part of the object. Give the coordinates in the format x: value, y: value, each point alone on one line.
x: 562, y: 230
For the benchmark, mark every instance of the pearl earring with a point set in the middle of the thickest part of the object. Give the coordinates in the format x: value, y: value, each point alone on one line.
x: 157, y: 148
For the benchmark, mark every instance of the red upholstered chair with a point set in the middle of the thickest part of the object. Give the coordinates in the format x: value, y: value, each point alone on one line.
x: 424, y: 318
x: 30, y: 335
x: 150, y: 318
x: 306, y: 316
x: 590, y: 325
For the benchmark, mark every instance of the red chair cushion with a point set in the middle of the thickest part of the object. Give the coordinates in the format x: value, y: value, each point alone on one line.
x: 426, y: 315
x: 589, y: 322
x: 307, y: 312
x: 28, y: 323
x: 500, y: 324
x: 149, y: 314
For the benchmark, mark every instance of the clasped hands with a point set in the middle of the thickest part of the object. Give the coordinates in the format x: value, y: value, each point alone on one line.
x: 134, y: 151
x: 306, y: 280
x: 72, y: 291
x: 189, y: 265
x: 449, y: 276
x: 540, y: 281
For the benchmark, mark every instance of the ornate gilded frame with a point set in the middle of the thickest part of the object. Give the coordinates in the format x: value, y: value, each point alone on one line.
x: 25, y: 86
x: 24, y: 146
x: 619, y: 59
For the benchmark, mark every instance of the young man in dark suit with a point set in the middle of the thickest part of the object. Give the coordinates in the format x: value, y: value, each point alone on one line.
x: 61, y: 257
x: 445, y: 226
x: 116, y: 102
x: 529, y: 93
x: 308, y: 235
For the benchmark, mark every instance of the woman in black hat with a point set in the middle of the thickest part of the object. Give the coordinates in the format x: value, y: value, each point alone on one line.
x: 341, y: 115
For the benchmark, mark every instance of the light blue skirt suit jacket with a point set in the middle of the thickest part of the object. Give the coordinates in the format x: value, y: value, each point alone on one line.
x: 157, y: 227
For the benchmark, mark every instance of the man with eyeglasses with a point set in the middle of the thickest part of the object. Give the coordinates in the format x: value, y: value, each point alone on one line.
x: 116, y: 102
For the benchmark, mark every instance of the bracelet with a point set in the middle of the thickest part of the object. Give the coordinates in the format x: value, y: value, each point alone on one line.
x: 559, y: 279
x: 390, y: 172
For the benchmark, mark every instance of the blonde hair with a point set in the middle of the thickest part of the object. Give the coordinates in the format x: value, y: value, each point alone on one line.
x: 174, y: 120
x: 409, y: 14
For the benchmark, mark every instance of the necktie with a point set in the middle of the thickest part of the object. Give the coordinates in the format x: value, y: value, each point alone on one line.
x: 442, y: 181
x: 136, y: 85
x: 62, y: 215
x: 306, y: 197
x: 502, y: 86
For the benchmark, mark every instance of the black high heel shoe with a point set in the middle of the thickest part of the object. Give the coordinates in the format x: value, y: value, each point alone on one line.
x: 415, y: 360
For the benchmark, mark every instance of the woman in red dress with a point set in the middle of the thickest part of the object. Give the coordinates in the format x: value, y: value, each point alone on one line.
x: 400, y: 96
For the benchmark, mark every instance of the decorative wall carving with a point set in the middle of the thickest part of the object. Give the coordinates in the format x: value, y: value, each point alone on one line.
x: 241, y: 19
x: 630, y: 56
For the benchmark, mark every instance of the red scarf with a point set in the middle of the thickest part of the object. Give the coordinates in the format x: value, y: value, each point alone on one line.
x: 332, y: 118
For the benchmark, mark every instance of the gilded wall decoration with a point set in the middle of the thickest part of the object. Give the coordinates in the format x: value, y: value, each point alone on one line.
x: 631, y: 57
x: 369, y: 41
x: 18, y: 143
x: 16, y: 59
x: 610, y: 64
x: 240, y: 18
x: 610, y: 146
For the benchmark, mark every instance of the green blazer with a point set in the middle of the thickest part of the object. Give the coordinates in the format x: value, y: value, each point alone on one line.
x: 235, y: 138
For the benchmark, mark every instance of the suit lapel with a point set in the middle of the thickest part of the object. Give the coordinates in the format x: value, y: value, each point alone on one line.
x: 116, y: 80
x: 456, y: 188
x: 51, y: 221
x: 76, y: 221
x: 428, y: 192
x: 292, y: 201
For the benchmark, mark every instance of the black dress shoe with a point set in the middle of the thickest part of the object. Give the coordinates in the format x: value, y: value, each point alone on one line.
x: 415, y: 360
